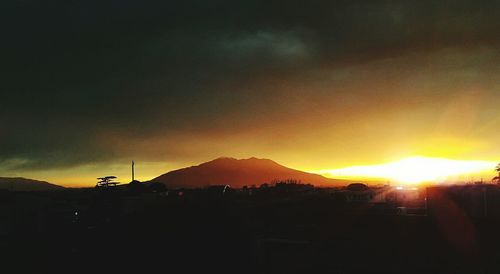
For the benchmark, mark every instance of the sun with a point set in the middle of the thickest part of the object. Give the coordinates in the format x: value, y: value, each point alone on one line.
x: 414, y: 170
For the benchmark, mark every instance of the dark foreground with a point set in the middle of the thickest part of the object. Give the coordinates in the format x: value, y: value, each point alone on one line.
x: 120, y: 232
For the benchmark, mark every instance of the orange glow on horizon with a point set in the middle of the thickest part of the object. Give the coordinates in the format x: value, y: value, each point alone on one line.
x: 415, y: 170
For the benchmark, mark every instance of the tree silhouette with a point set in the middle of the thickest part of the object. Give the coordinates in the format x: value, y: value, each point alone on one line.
x: 497, y: 178
x: 136, y: 186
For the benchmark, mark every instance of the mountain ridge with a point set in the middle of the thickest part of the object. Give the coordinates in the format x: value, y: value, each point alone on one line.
x: 26, y: 184
x: 238, y: 173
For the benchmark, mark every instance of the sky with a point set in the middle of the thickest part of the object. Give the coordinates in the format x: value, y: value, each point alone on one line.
x: 88, y: 86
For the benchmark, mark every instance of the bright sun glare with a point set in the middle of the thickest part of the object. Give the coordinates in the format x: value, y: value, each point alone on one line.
x: 414, y: 170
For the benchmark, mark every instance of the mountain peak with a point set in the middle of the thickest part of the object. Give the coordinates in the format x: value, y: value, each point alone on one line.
x: 243, y: 163
x: 223, y: 158
x: 238, y: 173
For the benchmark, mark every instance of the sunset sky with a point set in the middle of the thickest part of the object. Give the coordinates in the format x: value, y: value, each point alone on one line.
x: 88, y: 86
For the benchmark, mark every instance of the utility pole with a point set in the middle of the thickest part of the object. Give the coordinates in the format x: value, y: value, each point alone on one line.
x: 133, y: 177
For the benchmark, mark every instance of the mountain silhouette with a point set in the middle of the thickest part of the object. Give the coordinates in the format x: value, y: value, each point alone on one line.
x: 238, y: 173
x: 23, y: 184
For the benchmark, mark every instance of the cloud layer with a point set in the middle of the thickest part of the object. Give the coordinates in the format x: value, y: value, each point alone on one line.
x: 181, y: 81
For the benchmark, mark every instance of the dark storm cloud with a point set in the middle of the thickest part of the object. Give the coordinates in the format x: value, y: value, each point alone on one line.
x: 77, y: 70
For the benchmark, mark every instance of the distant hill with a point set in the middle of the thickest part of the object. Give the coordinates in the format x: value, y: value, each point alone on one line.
x: 239, y: 173
x: 23, y: 184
